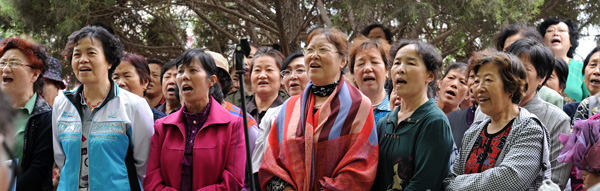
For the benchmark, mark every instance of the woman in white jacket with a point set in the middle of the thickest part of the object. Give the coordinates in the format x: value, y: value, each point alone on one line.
x: 101, y: 134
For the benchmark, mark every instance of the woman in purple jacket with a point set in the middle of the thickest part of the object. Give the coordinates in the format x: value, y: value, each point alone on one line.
x: 201, y: 146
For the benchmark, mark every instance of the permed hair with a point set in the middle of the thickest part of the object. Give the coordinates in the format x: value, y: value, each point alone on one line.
x: 512, y: 72
x: 573, y: 32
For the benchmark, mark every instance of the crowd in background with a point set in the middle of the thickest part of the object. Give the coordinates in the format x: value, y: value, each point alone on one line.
x: 368, y: 113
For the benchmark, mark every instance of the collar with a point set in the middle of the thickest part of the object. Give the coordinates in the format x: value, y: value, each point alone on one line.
x: 324, y: 91
x: 384, y: 105
x: 251, y: 105
x: 420, y: 113
x: 216, y: 115
x: 203, y: 114
x: 30, y: 104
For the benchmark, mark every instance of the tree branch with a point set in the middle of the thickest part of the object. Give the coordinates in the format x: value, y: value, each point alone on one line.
x: 213, y: 24
x: 226, y: 10
x: 323, y: 13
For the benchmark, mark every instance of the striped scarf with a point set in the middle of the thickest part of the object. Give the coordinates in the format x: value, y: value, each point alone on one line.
x: 334, y: 149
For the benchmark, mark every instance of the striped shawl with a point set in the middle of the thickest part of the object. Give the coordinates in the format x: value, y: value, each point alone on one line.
x: 337, y: 150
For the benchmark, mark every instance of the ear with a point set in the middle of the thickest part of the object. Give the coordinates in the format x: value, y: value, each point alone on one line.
x: 430, y: 77
x: 212, y: 80
x: 344, y: 63
x: 36, y: 74
x: 145, y: 85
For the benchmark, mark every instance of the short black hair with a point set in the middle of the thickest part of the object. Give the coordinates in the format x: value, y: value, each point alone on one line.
x: 290, y: 58
x: 562, y: 72
x: 588, y: 57
x: 456, y: 65
x: 209, y: 65
x: 540, y: 56
x: 573, y: 31
x: 155, y: 61
x: 112, y: 46
x: 430, y: 55
x: 526, y: 31
x: 388, y: 33
x: 170, y: 64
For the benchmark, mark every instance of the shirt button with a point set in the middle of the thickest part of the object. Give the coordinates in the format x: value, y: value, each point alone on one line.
x: 408, y: 119
x: 194, y: 122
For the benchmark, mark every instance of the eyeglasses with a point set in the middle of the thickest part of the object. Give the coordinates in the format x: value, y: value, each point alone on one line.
x: 288, y: 73
x: 319, y: 51
x: 12, y: 64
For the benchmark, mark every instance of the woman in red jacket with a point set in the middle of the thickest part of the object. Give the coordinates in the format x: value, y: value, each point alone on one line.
x: 199, y: 147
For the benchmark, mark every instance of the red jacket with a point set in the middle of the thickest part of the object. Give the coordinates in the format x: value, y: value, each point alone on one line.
x: 219, y: 159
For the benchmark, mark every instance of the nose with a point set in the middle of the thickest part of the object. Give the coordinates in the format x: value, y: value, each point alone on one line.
x: 368, y: 68
x: 120, y: 82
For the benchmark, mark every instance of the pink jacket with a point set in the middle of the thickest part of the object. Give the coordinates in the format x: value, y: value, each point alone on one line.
x: 219, y: 160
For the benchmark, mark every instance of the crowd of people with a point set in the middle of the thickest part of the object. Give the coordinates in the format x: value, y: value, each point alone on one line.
x: 368, y: 113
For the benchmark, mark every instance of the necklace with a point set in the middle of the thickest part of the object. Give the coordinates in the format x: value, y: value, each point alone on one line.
x: 324, y: 91
x: 93, y: 105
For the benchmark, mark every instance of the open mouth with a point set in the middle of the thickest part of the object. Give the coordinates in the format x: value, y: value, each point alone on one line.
x: 85, y: 69
x: 186, y: 88
x: 263, y: 83
x: 450, y: 92
x: 368, y: 78
x: 595, y: 82
x: 400, y: 81
x: 314, y: 65
x: 555, y: 40
x: 6, y: 79
x: 293, y: 85
x: 171, y: 89
x: 481, y: 100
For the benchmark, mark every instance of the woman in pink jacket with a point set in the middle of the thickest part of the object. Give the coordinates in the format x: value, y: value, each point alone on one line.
x: 201, y: 146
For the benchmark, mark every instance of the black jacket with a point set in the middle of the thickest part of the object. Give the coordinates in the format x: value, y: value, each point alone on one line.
x: 36, y: 167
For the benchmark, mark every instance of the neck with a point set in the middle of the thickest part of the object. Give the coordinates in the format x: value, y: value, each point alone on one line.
x: 171, y: 105
x: 376, y: 97
x: 197, y: 108
x: 511, y: 111
x: 96, y: 91
x: 411, y: 103
x: 564, y: 58
x: 248, y: 87
x: 21, y: 100
x: 447, y: 108
x: 264, y: 101
x: 153, y: 100
x: 526, y: 100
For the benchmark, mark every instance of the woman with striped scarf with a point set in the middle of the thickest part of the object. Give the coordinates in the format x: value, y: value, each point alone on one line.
x: 323, y: 139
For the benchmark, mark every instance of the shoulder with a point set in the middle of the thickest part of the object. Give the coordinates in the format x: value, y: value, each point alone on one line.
x: 527, y: 120
x: 131, y: 98
x: 458, y: 113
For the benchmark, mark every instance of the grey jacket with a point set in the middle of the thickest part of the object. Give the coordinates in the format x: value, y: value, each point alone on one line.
x: 522, y: 164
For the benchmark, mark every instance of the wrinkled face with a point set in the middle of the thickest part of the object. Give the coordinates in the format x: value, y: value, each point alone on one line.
x: 489, y: 90
x: 296, y: 80
x: 592, y: 74
x: 168, y: 84
x: 88, y: 61
x: 127, y: 77
x: 194, y: 82
x: 409, y: 74
x: 17, y: 76
x: 533, y: 80
x: 511, y: 39
x: 369, y: 71
x: 50, y: 92
x: 235, y: 82
x: 324, y: 65
x: 265, y: 76
x: 376, y: 33
x: 557, y: 38
x: 154, y: 87
x: 590, y: 179
x: 453, y: 88
x: 554, y: 83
